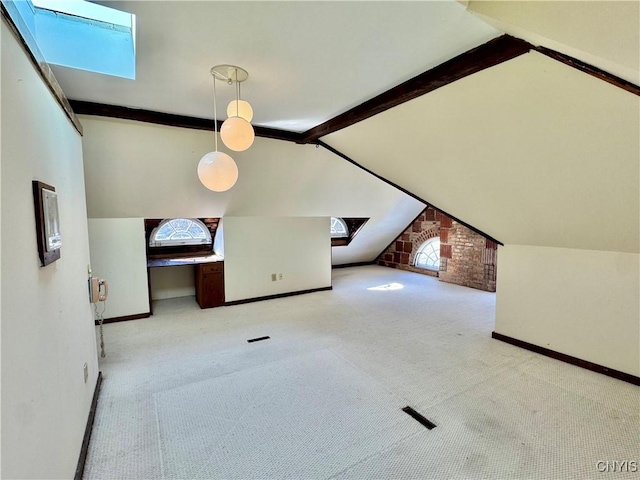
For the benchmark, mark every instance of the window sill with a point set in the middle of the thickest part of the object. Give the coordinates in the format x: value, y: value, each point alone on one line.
x: 178, y: 261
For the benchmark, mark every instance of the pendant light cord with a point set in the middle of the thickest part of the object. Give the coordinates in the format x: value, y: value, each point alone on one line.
x: 237, y: 95
x: 215, y: 114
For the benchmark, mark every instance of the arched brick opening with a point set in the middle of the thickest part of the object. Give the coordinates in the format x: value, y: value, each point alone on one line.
x: 432, y: 232
x: 466, y: 258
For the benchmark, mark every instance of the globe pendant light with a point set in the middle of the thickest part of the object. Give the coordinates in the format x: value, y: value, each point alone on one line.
x: 237, y: 134
x: 240, y: 108
x: 216, y: 170
x: 236, y: 131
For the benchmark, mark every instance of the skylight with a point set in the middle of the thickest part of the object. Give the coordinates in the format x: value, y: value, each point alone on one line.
x: 82, y: 35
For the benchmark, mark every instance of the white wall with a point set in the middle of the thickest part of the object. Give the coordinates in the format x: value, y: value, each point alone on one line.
x: 118, y: 255
x: 47, y: 321
x: 256, y: 247
x: 582, y: 303
x: 218, y: 240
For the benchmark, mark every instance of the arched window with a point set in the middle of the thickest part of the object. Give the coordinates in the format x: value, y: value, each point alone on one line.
x: 180, y: 231
x: 428, y: 255
x: 338, y: 228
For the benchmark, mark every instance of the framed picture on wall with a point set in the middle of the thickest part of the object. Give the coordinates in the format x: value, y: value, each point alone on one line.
x: 47, y: 222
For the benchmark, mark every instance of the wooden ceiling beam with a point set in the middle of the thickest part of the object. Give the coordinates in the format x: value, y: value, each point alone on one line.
x: 494, y: 52
x: 590, y: 69
x: 81, y: 107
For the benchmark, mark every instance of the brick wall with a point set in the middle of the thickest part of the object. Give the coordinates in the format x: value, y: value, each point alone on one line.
x: 466, y: 258
x: 401, y: 253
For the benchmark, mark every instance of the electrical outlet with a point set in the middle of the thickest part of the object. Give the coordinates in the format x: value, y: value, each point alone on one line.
x: 273, y: 277
x: 280, y: 276
x: 85, y: 368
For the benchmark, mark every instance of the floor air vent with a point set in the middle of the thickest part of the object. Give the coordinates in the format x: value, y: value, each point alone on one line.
x: 257, y: 339
x: 422, y: 420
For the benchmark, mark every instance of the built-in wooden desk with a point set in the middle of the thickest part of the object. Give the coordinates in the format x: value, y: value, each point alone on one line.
x: 208, y: 273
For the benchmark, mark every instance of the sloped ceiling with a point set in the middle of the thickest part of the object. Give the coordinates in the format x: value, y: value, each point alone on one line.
x: 307, y: 61
x: 134, y: 169
x: 601, y: 33
x: 531, y: 151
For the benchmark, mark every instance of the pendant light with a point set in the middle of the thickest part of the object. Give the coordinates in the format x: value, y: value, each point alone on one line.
x: 216, y: 170
x: 240, y: 108
x: 237, y: 134
x: 236, y: 131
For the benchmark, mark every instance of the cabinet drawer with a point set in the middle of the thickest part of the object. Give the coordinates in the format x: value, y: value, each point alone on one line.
x: 216, y: 267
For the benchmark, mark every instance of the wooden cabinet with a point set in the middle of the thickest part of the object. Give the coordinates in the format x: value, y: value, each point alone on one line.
x: 209, y: 284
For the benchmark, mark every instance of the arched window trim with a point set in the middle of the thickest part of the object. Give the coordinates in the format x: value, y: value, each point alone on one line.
x: 428, y: 255
x: 339, y: 228
x: 154, y: 242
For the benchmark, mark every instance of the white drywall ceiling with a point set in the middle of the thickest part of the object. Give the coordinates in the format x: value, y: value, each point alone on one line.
x: 604, y: 34
x: 307, y: 61
x: 532, y: 152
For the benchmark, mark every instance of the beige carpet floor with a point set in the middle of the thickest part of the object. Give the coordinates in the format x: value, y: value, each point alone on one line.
x: 185, y: 396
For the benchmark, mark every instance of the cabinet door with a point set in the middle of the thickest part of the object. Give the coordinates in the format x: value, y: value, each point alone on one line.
x: 210, y: 284
x: 213, y: 289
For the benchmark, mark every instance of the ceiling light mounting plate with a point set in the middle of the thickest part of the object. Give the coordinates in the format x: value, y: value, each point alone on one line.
x: 229, y: 73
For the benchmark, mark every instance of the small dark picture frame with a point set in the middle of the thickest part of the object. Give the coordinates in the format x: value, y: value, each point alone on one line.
x: 45, y: 201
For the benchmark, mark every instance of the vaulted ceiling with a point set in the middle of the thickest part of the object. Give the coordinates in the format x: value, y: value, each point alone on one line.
x: 310, y: 61
x: 525, y: 151
x: 307, y: 61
